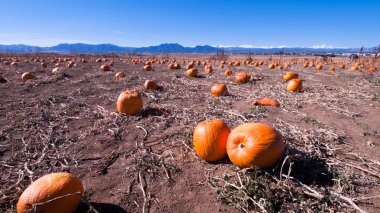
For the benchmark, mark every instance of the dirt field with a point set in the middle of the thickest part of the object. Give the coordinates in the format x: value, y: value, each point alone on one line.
x: 146, y: 163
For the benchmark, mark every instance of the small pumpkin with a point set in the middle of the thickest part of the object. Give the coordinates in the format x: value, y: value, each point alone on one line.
x: 242, y: 77
x: 129, y: 102
x: 193, y: 72
x: 171, y: 66
x: 150, y: 85
x: 354, y: 68
x: 342, y: 66
x: 319, y: 67
x: 332, y: 68
x: 208, y: 69
x: 254, y: 145
x: 294, y: 85
x: 44, y: 65
x: 56, y: 70
x: 49, y: 187
x: 105, y: 67
x: 290, y: 75
x: 266, y: 102
x: 219, y: 90
x: 271, y: 66
x: 228, y: 72
x: 189, y: 66
x: 210, y: 138
x: 148, y: 67
x: 26, y: 76
x: 177, y: 66
x: 119, y: 75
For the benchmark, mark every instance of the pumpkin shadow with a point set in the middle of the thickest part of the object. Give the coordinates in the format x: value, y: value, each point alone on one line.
x: 100, y: 207
x: 152, y: 111
x: 307, y: 169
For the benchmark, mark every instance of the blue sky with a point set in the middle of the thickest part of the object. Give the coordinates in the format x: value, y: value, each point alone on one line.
x: 139, y: 23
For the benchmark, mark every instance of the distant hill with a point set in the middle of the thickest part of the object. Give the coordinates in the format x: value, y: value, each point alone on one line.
x: 165, y: 48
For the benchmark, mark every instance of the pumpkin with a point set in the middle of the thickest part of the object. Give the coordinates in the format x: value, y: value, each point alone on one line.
x: 119, y: 75
x: 254, y: 145
x: 148, y: 67
x: 44, y: 65
x: 221, y: 66
x: 342, y: 66
x: 271, y: 66
x: 228, y: 73
x: 210, y: 138
x: 189, y: 66
x: 332, y: 68
x: 99, y: 60
x: 266, y: 102
x: 354, y: 68
x: 290, y: 75
x: 105, y: 67
x: 177, y: 66
x: 294, y: 85
x: 319, y: 67
x: 26, y: 76
x: 129, y: 102
x: 56, y: 70
x: 193, y: 72
x: 371, y: 69
x: 150, y: 85
x: 49, y: 187
x: 241, y: 77
x: 171, y: 66
x: 219, y: 90
x: 208, y: 69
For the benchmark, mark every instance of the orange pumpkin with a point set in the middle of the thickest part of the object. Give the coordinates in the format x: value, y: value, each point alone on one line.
x: 208, y: 69
x: 354, y: 68
x: 294, y: 85
x: 254, y: 145
x: 49, y: 187
x: 210, y: 139
x: 332, y: 68
x: 342, y: 66
x: 26, y: 76
x: 271, y: 66
x: 266, y: 102
x: 319, y: 67
x: 228, y: 72
x: 171, y: 66
x: 105, y: 67
x: 193, y: 72
x: 148, y: 67
x: 219, y: 90
x: 129, y: 102
x: 119, y: 75
x: 241, y: 77
x: 189, y: 66
x: 290, y: 75
x: 150, y: 85
x: 177, y: 66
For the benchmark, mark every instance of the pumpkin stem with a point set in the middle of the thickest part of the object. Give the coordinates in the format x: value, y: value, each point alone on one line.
x: 241, y: 145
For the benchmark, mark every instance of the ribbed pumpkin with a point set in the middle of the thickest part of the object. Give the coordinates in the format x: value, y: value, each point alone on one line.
x: 354, y: 68
x: 129, y: 102
x: 119, y: 75
x: 254, y: 145
x: 210, y: 139
x: 49, y: 187
x: 228, y: 72
x: 26, y: 76
x: 294, y: 85
x: 332, y: 68
x: 193, y: 72
x: 271, y: 66
x: 150, y: 85
x: 189, y: 66
x: 241, y: 77
x: 266, y: 102
x: 219, y: 90
x: 319, y: 67
x: 170, y: 66
x: 105, y: 67
x: 177, y: 66
x: 290, y: 75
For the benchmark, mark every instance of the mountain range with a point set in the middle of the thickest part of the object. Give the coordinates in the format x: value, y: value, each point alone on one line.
x: 168, y: 48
